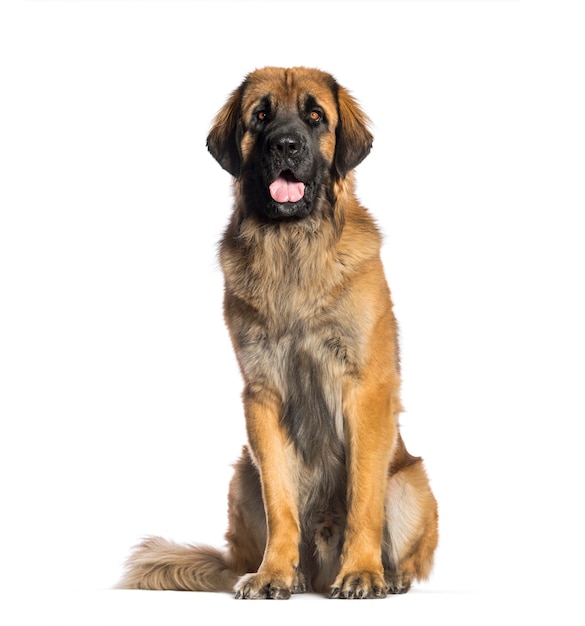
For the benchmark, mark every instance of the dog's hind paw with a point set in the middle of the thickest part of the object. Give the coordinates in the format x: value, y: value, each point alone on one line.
x: 397, y: 583
x: 300, y: 583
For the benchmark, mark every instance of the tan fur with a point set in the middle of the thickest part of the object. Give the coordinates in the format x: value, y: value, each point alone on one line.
x: 339, y: 506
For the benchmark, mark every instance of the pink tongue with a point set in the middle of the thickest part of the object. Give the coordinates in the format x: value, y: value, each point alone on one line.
x: 283, y: 190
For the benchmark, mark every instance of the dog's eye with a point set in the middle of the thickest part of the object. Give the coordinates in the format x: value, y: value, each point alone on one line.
x: 261, y: 116
x: 315, y: 115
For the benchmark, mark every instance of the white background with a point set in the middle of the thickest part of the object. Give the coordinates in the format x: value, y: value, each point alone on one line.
x: 119, y: 394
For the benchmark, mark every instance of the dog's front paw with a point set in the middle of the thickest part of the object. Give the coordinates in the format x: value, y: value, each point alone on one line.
x: 359, y: 585
x: 263, y: 586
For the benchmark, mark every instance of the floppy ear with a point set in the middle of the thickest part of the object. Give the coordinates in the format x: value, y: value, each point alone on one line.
x: 223, y: 140
x: 353, y: 137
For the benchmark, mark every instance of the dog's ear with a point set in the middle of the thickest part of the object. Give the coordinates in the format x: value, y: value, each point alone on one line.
x: 224, y: 137
x: 353, y: 137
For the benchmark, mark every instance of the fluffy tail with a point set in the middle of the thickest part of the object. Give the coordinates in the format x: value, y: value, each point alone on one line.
x: 160, y: 564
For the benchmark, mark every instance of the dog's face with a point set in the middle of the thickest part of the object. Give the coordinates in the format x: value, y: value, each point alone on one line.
x: 287, y: 135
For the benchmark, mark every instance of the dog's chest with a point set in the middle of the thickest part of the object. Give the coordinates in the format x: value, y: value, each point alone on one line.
x: 291, y: 311
x: 306, y: 365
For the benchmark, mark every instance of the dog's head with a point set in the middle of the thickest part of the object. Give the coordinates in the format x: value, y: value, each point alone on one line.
x: 286, y: 135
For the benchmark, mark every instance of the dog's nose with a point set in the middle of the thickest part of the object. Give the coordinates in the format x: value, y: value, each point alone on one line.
x: 287, y: 145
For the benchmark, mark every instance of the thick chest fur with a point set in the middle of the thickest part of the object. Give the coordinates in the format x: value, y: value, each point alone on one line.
x: 300, y: 328
x: 294, y: 316
x: 302, y: 354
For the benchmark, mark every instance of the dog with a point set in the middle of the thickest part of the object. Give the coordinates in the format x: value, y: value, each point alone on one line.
x: 325, y: 497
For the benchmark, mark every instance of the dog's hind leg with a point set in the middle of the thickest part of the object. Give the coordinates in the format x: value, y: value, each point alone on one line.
x: 246, y: 534
x: 411, y: 532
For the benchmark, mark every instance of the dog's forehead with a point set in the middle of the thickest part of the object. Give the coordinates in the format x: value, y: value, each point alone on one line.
x: 292, y: 87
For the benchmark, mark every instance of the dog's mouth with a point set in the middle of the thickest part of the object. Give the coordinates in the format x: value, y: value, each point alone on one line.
x: 286, y: 188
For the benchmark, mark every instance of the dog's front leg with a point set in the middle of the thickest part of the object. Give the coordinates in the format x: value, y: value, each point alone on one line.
x: 273, y: 457
x: 370, y: 432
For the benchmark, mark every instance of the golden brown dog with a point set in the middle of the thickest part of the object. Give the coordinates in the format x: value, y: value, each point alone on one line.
x: 325, y: 496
